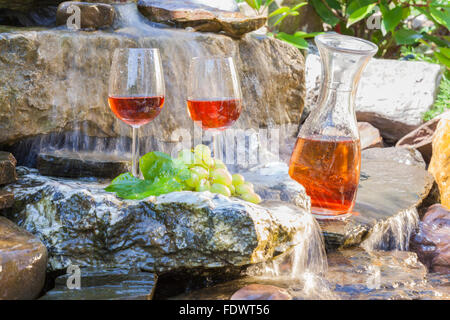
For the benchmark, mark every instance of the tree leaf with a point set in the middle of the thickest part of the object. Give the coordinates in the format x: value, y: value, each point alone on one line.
x: 279, y: 11
x: 391, y: 18
x: 358, y: 4
x: 445, y: 51
x: 306, y: 35
x: 297, y: 42
x: 442, y: 59
x: 406, y: 36
x: 360, y: 14
x: 295, y: 8
x: 324, y: 13
x: 441, y: 15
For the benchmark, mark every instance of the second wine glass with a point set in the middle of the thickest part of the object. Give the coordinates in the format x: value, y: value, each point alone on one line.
x: 214, y: 98
x: 136, y: 91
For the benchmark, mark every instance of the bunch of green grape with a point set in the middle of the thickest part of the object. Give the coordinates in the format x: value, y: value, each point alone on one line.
x: 209, y: 174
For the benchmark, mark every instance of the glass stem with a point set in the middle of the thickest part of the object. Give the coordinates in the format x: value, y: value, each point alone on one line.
x: 217, y: 145
x: 135, y: 153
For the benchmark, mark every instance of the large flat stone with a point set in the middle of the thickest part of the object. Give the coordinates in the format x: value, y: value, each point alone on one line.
x: 392, y: 94
x: 393, y: 184
x: 23, y: 262
x: 65, y: 163
x: 7, y: 168
x: 83, y: 225
x: 92, y: 15
x: 105, y: 284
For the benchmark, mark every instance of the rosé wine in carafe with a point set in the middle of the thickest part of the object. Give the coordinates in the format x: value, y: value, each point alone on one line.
x: 326, y: 158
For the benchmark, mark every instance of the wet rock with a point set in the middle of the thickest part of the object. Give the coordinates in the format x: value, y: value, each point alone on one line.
x: 7, y: 168
x: 408, y: 156
x: 369, y: 136
x: 392, y: 94
x: 353, y: 274
x: 26, y: 4
x: 105, y: 284
x: 261, y: 292
x: 184, y: 14
x: 421, y: 138
x: 70, y: 164
x: 6, y: 199
x: 92, y: 15
x: 81, y: 224
x: 393, y: 184
x: 67, y: 88
x: 432, y: 241
x: 23, y: 261
x: 440, y: 161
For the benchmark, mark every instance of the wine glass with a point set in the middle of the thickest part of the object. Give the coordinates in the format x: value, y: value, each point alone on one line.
x: 214, y: 98
x: 136, y: 91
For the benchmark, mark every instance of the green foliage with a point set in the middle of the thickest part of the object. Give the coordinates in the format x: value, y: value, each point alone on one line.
x: 162, y: 174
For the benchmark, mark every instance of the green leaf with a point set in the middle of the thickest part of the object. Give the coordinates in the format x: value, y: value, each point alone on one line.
x: 441, y: 15
x: 279, y: 11
x: 325, y: 13
x: 391, y: 18
x: 306, y: 35
x: 295, y: 8
x: 358, y: 4
x: 255, y: 4
x: 297, y: 42
x: 360, y: 14
x: 442, y: 59
x: 406, y: 36
x: 154, y: 164
x: 129, y: 187
x: 445, y: 51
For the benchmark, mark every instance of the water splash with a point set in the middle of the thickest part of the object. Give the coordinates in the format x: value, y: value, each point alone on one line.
x: 393, y: 233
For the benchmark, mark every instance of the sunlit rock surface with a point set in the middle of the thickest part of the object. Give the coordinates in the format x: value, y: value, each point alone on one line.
x: 92, y: 15
x: 191, y: 14
x: 440, y: 161
x: 7, y: 168
x: 83, y: 225
x: 392, y: 94
x: 105, y: 284
x: 23, y: 261
x: 353, y: 274
x: 369, y: 136
x: 55, y: 81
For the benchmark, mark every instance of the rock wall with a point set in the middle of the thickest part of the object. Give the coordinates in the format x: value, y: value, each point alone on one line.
x: 56, y: 80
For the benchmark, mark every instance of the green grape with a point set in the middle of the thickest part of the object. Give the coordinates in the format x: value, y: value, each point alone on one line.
x: 238, y: 179
x: 203, y: 185
x: 200, y: 171
x: 221, y: 176
x: 218, y: 164
x: 232, y: 189
x: 221, y: 189
x: 251, y: 197
x: 246, y: 187
x: 193, y: 180
x: 203, y: 155
x: 187, y: 156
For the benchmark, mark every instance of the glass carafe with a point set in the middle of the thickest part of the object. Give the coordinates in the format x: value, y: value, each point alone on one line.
x: 327, y: 156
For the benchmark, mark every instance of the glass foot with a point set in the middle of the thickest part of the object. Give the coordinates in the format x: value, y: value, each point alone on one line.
x: 324, y: 214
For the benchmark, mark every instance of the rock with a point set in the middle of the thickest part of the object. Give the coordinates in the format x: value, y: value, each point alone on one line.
x: 7, y: 168
x: 105, y: 284
x: 369, y: 136
x: 6, y: 199
x: 432, y: 241
x: 184, y: 14
x: 81, y: 224
x: 393, y: 184
x: 307, y: 20
x: 65, y: 98
x: 353, y: 274
x: 440, y: 161
x: 408, y: 156
x: 24, y: 5
x: 392, y: 94
x: 261, y: 292
x: 421, y: 138
x: 82, y: 164
x: 23, y: 261
x: 92, y: 15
